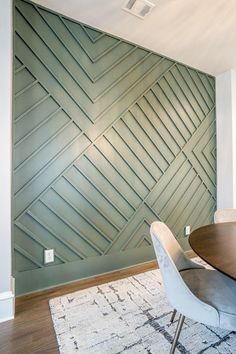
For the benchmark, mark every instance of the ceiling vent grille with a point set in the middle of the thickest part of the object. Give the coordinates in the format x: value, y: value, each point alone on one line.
x: 140, y: 8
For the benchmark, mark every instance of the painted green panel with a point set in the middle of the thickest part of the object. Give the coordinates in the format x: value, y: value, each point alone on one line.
x: 28, y: 244
x: 42, y: 156
x: 33, y: 142
x: 42, y: 180
x: 206, y: 83
x: 35, y: 118
x: 154, y: 135
x: 22, y: 263
x: 93, y: 50
x: 114, y: 176
x: 120, y: 163
x: 94, y: 72
x: 201, y: 88
x: 129, y: 97
x: 79, y: 224
x: 182, y: 104
x: 193, y: 86
x: 138, y: 236
x: 170, y: 117
x: 28, y: 98
x: 23, y: 80
x: 86, y: 208
x: 92, y: 33
x: 146, y: 151
x: 162, y: 123
x: 126, y: 151
x: 187, y: 201
x: 175, y: 106
x: 50, y: 82
x: 45, y: 237
x: 179, y: 184
x: 18, y: 66
x: 115, y: 195
x: 143, y: 214
x: 95, y: 197
x: 108, y: 137
x: 197, y: 114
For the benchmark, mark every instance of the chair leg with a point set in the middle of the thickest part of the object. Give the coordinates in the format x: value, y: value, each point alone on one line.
x: 173, y: 316
x: 177, y: 333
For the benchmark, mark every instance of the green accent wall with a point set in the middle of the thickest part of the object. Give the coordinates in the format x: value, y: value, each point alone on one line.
x: 108, y: 137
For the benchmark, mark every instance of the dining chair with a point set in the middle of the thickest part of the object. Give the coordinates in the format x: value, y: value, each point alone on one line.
x: 192, y: 265
x: 203, y: 295
x: 225, y: 215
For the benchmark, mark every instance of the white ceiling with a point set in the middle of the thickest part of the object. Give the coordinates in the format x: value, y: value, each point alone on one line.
x: 199, y: 33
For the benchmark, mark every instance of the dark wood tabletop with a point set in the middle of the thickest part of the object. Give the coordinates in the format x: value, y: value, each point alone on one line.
x: 216, y: 244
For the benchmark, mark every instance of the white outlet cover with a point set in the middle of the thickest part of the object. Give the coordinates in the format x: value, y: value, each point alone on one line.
x: 48, y: 256
x: 187, y: 230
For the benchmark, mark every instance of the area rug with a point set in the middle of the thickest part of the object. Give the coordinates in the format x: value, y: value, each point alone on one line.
x: 130, y: 315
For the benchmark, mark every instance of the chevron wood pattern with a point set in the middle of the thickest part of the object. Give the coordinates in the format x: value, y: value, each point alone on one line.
x: 108, y: 137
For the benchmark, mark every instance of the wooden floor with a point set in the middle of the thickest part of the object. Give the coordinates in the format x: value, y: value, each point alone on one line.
x: 32, y: 330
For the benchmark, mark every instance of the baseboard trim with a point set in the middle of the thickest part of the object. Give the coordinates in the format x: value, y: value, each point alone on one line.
x: 98, y: 278
x: 7, y: 306
x: 54, y: 275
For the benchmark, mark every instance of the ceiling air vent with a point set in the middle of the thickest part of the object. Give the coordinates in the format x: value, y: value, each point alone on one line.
x: 140, y: 8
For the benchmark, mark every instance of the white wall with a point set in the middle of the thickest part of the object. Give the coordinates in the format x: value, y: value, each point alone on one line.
x: 6, y: 295
x: 226, y: 139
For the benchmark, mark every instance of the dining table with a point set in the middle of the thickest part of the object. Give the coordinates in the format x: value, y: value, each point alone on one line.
x: 216, y: 245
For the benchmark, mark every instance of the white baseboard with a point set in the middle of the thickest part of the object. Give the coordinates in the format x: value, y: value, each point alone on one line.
x: 6, y: 319
x: 7, y: 304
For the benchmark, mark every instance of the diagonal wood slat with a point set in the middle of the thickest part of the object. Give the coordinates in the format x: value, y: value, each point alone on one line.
x: 108, y: 137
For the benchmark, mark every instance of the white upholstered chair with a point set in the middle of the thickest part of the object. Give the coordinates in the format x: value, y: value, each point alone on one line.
x: 225, y: 215
x: 203, y: 295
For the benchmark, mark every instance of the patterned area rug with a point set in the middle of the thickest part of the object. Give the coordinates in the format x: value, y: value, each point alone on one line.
x: 131, y: 315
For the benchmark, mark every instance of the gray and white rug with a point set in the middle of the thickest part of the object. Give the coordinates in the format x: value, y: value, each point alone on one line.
x: 130, y: 315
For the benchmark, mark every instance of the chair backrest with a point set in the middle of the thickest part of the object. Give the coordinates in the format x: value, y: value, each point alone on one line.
x: 171, y: 260
x: 225, y: 215
x: 171, y: 245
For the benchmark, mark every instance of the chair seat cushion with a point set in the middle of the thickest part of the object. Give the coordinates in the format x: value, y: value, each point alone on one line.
x: 217, y: 290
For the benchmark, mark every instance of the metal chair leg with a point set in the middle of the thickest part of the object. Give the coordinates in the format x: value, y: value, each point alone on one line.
x: 173, y: 316
x: 177, y: 333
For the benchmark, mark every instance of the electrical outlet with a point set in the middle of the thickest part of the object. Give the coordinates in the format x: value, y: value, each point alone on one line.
x: 48, y: 256
x: 187, y: 230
